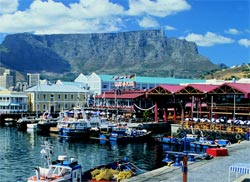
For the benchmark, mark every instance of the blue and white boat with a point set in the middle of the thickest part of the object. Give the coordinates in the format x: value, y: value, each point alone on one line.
x: 63, y: 169
x: 74, y: 129
x: 75, y: 124
x: 202, y: 144
x: 130, y: 135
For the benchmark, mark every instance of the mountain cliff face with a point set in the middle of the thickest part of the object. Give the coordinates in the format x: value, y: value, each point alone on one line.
x: 146, y: 53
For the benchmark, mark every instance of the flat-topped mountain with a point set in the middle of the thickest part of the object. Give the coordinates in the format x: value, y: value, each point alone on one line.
x: 146, y: 53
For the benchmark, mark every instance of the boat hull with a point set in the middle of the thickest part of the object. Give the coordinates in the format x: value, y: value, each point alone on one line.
x: 130, y: 138
x: 73, y: 133
x: 44, y: 128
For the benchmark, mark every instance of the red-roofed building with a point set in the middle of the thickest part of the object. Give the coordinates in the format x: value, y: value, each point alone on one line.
x: 175, y: 102
x: 122, y: 99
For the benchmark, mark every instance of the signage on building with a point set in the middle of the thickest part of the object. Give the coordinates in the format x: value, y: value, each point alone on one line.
x: 125, y: 84
x: 125, y: 81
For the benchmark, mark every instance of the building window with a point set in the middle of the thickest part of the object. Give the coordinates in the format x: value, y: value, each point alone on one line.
x: 65, y: 97
x: 44, y: 107
x: 105, y: 86
x: 72, y: 97
x: 44, y: 97
x: 52, y: 97
x: 66, y: 106
x: 59, y: 97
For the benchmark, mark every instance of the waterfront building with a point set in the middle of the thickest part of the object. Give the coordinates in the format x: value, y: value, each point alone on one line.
x: 123, y: 100
x: 56, y: 97
x: 13, y: 102
x: 103, y: 83
x: 228, y: 100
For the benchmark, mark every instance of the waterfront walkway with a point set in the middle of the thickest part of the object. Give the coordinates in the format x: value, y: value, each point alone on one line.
x: 214, y: 170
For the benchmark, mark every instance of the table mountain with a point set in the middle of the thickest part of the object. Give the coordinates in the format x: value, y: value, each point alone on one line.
x: 146, y: 53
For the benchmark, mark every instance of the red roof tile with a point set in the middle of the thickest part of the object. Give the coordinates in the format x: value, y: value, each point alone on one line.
x: 204, y: 87
x: 172, y: 88
x: 243, y: 87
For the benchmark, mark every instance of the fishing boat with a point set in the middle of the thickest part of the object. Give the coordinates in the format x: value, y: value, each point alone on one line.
x: 171, y: 140
x: 118, y: 170
x: 73, y: 125
x: 130, y: 135
x: 46, y: 121
x: 23, y: 121
x: 74, y: 129
x: 63, y: 169
x: 9, y: 122
x: 203, y: 143
x: 31, y: 126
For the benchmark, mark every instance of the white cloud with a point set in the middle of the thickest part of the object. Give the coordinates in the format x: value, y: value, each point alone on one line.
x: 244, y: 42
x: 209, y: 39
x: 48, y: 17
x: 232, y: 31
x: 148, y: 22
x: 84, y: 16
x: 95, y: 9
x: 8, y: 6
x: 168, y: 27
x: 159, y: 8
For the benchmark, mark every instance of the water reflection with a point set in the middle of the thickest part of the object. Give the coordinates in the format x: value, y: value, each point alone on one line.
x: 20, y: 153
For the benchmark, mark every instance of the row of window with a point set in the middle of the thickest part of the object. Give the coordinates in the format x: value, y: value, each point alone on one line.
x: 21, y: 107
x: 59, y: 97
x: 13, y: 99
x: 140, y: 86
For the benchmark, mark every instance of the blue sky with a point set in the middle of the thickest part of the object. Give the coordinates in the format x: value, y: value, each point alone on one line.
x: 220, y: 28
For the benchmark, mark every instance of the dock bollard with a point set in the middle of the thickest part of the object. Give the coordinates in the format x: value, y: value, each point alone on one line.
x: 191, y: 158
x: 177, y: 161
x: 167, y: 159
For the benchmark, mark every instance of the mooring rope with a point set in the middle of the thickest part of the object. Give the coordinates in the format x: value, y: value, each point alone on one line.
x: 144, y: 109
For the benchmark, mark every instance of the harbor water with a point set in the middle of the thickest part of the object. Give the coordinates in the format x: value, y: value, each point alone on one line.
x: 20, y: 153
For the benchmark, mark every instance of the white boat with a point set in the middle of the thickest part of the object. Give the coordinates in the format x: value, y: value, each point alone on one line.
x: 31, y: 126
x: 63, y: 169
x: 74, y: 124
x: 46, y: 121
x: 9, y: 122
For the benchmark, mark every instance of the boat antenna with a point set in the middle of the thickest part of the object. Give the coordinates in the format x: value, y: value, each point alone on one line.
x: 47, y: 152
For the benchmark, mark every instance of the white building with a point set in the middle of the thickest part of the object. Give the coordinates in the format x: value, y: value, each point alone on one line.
x: 13, y: 102
x: 102, y: 83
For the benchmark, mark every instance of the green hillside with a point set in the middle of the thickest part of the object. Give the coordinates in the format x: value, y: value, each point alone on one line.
x: 237, y: 72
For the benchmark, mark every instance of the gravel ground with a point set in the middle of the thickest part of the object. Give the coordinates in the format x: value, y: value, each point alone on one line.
x: 214, y: 170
